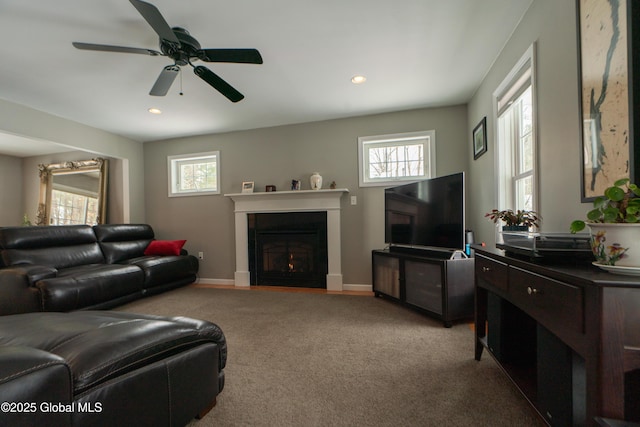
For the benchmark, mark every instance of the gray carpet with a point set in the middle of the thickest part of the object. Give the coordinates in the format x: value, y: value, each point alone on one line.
x: 298, y: 359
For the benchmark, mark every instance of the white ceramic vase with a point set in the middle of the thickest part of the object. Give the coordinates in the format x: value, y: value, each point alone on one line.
x: 616, y: 244
x: 316, y: 181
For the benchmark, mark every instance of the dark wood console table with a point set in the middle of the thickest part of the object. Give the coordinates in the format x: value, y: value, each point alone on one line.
x: 568, y: 336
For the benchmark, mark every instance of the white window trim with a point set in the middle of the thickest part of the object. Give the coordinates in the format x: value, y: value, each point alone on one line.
x: 500, y: 186
x: 430, y: 157
x: 170, y: 174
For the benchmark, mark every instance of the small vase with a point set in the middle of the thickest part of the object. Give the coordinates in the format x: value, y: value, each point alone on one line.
x: 316, y: 181
x: 616, y: 245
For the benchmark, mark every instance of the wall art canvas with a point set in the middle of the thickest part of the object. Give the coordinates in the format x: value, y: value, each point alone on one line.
x: 604, y: 76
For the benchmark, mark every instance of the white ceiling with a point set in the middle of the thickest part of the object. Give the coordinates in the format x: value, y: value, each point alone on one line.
x: 414, y: 53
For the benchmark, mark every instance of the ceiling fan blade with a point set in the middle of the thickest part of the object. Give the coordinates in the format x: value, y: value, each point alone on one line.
x: 153, y: 16
x: 110, y: 48
x: 245, y: 56
x: 220, y: 85
x: 165, y: 80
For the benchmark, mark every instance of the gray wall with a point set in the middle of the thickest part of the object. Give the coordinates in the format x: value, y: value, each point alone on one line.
x: 277, y: 155
x: 552, y: 25
x: 11, y: 212
x: 20, y: 120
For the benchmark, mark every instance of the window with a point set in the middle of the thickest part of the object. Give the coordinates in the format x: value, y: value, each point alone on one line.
x: 194, y: 174
x: 68, y: 208
x: 516, y: 140
x: 387, y: 159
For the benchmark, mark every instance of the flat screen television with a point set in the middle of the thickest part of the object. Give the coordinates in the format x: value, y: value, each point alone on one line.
x: 427, y: 213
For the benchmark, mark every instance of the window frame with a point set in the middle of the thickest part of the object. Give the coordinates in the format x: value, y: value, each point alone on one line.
x: 173, y: 175
x: 428, y: 141
x: 507, y: 158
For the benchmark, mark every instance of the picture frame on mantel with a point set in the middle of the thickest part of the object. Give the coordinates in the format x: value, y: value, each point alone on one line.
x: 608, y: 91
x: 247, y: 186
x: 480, y: 138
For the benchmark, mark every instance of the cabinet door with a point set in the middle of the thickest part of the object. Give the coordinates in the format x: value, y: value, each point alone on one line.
x: 423, y: 285
x: 386, y: 275
x: 560, y: 381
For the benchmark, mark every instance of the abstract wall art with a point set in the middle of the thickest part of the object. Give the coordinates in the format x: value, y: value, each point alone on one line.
x: 606, y: 93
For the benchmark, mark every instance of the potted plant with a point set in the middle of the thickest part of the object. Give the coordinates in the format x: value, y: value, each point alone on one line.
x: 519, y: 220
x: 614, y: 224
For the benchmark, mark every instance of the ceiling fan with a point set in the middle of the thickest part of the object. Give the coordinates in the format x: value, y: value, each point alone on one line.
x: 177, y: 44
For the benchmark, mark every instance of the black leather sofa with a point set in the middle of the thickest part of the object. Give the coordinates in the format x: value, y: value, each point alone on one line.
x: 105, y: 368
x: 62, y: 363
x: 65, y: 268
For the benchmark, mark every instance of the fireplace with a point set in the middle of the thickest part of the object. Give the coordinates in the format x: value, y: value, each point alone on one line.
x: 327, y: 201
x: 288, y: 249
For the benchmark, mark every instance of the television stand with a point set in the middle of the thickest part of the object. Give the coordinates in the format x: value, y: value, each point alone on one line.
x: 436, y: 281
x: 429, y: 251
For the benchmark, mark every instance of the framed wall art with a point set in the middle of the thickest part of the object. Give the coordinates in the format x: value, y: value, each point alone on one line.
x: 480, y: 138
x: 608, y: 89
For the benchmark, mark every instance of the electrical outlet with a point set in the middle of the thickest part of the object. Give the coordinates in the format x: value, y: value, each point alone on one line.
x: 200, y: 255
x: 354, y: 200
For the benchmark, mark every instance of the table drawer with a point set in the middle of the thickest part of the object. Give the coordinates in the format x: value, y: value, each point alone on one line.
x: 556, y: 305
x: 491, y: 272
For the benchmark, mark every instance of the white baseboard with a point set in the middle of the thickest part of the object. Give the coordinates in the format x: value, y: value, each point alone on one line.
x: 345, y: 286
x: 356, y: 287
x: 205, y: 281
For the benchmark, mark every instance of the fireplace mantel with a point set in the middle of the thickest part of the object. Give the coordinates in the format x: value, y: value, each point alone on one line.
x: 289, y: 201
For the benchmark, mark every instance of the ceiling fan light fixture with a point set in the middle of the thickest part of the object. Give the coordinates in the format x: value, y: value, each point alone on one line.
x: 358, y: 79
x: 153, y: 110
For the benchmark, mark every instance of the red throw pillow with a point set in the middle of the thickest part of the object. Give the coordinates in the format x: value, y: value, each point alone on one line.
x: 164, y: 247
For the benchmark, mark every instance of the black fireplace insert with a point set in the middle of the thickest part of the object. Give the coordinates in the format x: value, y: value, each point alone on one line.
x: 288, y: 249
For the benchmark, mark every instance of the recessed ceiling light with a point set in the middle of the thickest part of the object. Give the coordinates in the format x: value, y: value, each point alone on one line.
x: 356, y: 80
x: 155, y: 111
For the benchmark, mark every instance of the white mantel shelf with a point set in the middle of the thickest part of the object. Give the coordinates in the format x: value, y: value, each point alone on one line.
x: 289, y: 201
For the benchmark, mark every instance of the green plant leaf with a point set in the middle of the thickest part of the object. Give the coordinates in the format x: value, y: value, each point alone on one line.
x: 618, y: 205
x: 631, y: 219
x: 611, y: 214
x: 577, y: 225
x: 594, y: 215
x: 600, y: 202
x: 614, y: 193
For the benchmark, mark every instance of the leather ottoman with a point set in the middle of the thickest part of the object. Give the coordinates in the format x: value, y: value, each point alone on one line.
x: 108, y: 368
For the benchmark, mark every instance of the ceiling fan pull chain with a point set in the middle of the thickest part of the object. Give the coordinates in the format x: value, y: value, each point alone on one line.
x: 180, y: 81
